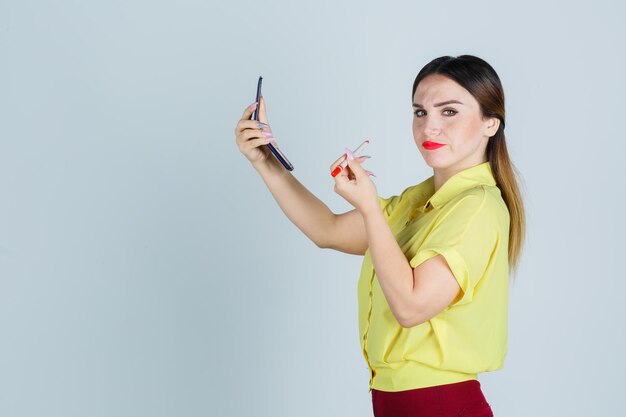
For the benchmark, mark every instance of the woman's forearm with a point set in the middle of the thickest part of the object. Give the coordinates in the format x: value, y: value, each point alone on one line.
x: 392, y: 268
x: 302, y: 208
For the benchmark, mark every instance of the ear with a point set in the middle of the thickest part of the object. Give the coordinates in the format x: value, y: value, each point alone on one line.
x: 493, y: 124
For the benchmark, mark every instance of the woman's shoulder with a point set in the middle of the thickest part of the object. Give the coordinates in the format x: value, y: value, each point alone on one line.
x: 483, y: 201
x: 480, y: 196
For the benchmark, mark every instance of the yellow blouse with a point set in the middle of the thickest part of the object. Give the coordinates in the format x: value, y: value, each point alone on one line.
x: 467, y: 222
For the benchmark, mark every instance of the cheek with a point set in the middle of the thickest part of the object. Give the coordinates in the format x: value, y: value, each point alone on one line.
x: 415, y: 126
x: 466, y: 131
x: 474, y: 126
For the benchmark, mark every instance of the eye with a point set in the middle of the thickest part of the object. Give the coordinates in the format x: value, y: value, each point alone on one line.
x: 450, y: 110
x: 418, y: 113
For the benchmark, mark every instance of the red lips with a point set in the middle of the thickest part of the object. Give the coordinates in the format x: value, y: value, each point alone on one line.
x: 432, y: 145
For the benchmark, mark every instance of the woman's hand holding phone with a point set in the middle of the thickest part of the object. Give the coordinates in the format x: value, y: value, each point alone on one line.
x: 251, y: 134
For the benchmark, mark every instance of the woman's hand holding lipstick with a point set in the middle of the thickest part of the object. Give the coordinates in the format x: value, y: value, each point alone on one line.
x: 353, y: 182
x: 344, y: 160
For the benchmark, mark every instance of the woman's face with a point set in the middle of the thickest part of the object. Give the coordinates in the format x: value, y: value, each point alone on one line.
x: 458, y: 125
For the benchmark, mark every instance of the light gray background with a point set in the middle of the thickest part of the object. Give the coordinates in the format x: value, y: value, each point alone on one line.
x: 145, y: 270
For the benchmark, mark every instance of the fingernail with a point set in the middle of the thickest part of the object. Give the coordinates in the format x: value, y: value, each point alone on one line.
x: 268, y: 140
x: 349, y: 154
x: 364, y: 156
x: 268, y: 134
x: 253, y: 105
x: 370, y: 173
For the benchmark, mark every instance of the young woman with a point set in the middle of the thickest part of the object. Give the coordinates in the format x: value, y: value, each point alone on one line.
x: 433, y: 290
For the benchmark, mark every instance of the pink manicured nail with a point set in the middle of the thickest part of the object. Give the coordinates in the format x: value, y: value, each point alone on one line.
x: 349, y: 154
x: 268, y: 134
x: 370, y: 173
x: 252, y: 106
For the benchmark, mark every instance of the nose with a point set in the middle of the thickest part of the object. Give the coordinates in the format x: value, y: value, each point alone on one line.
x: 431, y: 129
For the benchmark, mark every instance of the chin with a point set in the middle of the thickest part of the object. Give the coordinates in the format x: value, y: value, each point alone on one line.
x: 436, y: 162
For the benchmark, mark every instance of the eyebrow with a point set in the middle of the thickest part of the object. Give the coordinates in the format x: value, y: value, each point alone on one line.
x: 443, y: 103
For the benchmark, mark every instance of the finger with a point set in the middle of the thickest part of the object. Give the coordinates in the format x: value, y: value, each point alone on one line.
x: 356, y: 168
x: 344, y: 176
x: 249, y: 134
x: 351, y: 173
x: 347, y: 174
x: 255, y: 143
x: 244, y: 124
x: 247, y: 113
x: 262, y: 111
x: 337, y: 162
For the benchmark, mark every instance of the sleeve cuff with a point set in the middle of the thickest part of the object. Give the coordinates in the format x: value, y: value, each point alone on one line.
x: 457, y: 265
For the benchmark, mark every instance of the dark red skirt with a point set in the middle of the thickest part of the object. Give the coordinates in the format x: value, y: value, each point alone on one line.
x: 461, y: 399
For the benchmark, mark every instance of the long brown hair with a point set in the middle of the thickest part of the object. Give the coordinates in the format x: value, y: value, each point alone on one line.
x: 481, y: 80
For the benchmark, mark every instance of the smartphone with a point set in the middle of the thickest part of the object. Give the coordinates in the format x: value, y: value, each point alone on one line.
x: 255, y: 116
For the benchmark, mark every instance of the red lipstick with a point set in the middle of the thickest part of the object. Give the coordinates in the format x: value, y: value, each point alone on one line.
x: 432, y: 145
